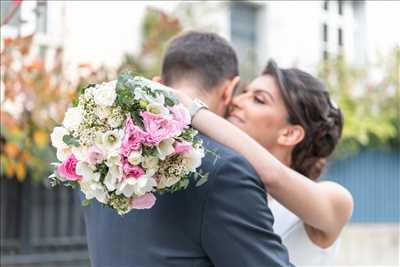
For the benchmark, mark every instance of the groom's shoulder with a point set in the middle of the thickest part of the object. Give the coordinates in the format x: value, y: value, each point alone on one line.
x: 223, y: 162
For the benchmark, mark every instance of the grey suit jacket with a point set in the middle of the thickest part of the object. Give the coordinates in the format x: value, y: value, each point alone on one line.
x: 224, y: 222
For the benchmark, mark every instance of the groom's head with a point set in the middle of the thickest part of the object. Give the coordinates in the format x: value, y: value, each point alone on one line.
x: 203, y: 64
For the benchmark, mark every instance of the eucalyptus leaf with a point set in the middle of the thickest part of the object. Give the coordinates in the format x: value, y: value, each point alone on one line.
x: 86, y: 202
x: 70, y: 140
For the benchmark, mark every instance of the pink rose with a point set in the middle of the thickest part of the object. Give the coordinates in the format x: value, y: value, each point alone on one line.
x: 133, y: 138
x: 68, y: 169
x: 181, y: 116
x: 96, y: 156
x: 182, y: 147
x: 144, y: 202
x: 158, y: 127
x: 131, y: 170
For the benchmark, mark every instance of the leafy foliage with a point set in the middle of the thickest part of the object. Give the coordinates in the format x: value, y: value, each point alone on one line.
x: 370, y: 107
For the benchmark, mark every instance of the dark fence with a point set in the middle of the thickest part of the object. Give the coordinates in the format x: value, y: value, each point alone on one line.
x: 373, y: 178
x: 40, y: 226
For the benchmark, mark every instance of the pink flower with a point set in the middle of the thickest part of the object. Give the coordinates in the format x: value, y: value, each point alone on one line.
x: 131, y: 170
x: 68, y: 169
x: 144, y: 202
x: 133, y: 138
x: 181, y: 116
x: 158, y: 127
x: 182, y: 147
x: 96, y: 156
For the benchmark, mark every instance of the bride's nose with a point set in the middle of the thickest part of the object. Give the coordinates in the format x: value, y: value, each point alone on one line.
x: 238, y: 101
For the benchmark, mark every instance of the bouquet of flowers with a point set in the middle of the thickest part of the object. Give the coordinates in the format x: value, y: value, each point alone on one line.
x: 123, y: 141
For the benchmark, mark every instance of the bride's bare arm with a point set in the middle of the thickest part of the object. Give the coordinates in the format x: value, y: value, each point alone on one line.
x: 324, y: 207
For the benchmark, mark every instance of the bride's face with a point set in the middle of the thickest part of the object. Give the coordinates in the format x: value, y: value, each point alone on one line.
x: 260, y: 111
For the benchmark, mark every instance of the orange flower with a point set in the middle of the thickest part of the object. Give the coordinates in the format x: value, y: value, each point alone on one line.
x: 11, y: 150
x: 25, y: 156
x: 40, y: 138
x: 20, y: 171
x: 10, y: 168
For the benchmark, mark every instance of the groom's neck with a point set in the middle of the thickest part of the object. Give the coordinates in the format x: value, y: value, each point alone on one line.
x: 194, y: 91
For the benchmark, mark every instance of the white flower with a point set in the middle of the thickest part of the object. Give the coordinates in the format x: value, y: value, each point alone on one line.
x: 85, y: 170
x: 63, y: 153
x: 113, y: 159
x: 57, y: 137
x: 105, y: 95
x: 139, y: 94
x: 150, y: 162
x: 113, y: 176
x: 165, y: 148
x: 103, y: 112
x: 157, y: 108
x: 73, y: 118
x: 135, y: 157
x: 138, y: 186
x: 89, y: 92
x: 93, y: 189
x: 192, y: 159
x: 81, y: 153
x: 167, y: 181
x: 110, y: 140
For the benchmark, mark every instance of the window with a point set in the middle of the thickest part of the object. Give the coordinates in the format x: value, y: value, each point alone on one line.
x: 340, y: 7
x: 6, y: 8
x: 340, y: 37
x: 41, y: 16
x: 244, y: 36
x: 326, y: 5
x: 325, y: 32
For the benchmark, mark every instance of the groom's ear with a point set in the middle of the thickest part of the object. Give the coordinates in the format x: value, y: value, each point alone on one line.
x: 157, y: 79
x: 228, y: 90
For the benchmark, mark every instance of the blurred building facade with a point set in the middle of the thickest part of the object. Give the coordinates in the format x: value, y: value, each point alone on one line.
x: 294, y: 33
x: 299, y: 33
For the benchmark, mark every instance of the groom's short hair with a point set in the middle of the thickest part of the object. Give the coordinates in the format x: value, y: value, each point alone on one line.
x: 205, y: 57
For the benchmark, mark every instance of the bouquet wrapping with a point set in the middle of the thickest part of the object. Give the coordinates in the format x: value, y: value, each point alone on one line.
x: 124, y: 141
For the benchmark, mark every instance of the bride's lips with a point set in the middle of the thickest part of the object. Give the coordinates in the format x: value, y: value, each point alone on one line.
x: 235, y: 119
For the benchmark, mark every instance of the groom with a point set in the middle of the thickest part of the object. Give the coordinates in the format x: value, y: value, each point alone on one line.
x: 224, y: 222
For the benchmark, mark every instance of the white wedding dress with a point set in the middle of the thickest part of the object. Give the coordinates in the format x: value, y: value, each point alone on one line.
x: 302, y: 252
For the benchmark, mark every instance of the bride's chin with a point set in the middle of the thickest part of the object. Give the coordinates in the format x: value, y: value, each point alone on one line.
x: 235, y: 122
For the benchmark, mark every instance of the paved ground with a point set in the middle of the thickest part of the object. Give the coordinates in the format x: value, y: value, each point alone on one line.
x: 370, y: 245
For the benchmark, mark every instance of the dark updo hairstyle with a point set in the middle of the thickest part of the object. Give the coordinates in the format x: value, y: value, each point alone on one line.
x: 309, y: 105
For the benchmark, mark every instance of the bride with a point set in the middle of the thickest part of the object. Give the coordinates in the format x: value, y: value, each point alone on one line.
x: 286, y: 126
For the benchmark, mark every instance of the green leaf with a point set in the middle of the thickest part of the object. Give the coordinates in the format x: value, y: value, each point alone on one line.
x: 86, y: 202
x: 70, y: 140
x: 203, y: 179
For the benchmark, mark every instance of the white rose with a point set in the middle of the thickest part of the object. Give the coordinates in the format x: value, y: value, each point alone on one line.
x: 113, y: 176
x: 93, y: 189
x: 150, y: 162
x: 135, y: 157
x: 165, y: 148
x: 105, y: 95
x: 73, y: 118
x: 85, y: 170
x: 57, y: 137
x: 192, y: 159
